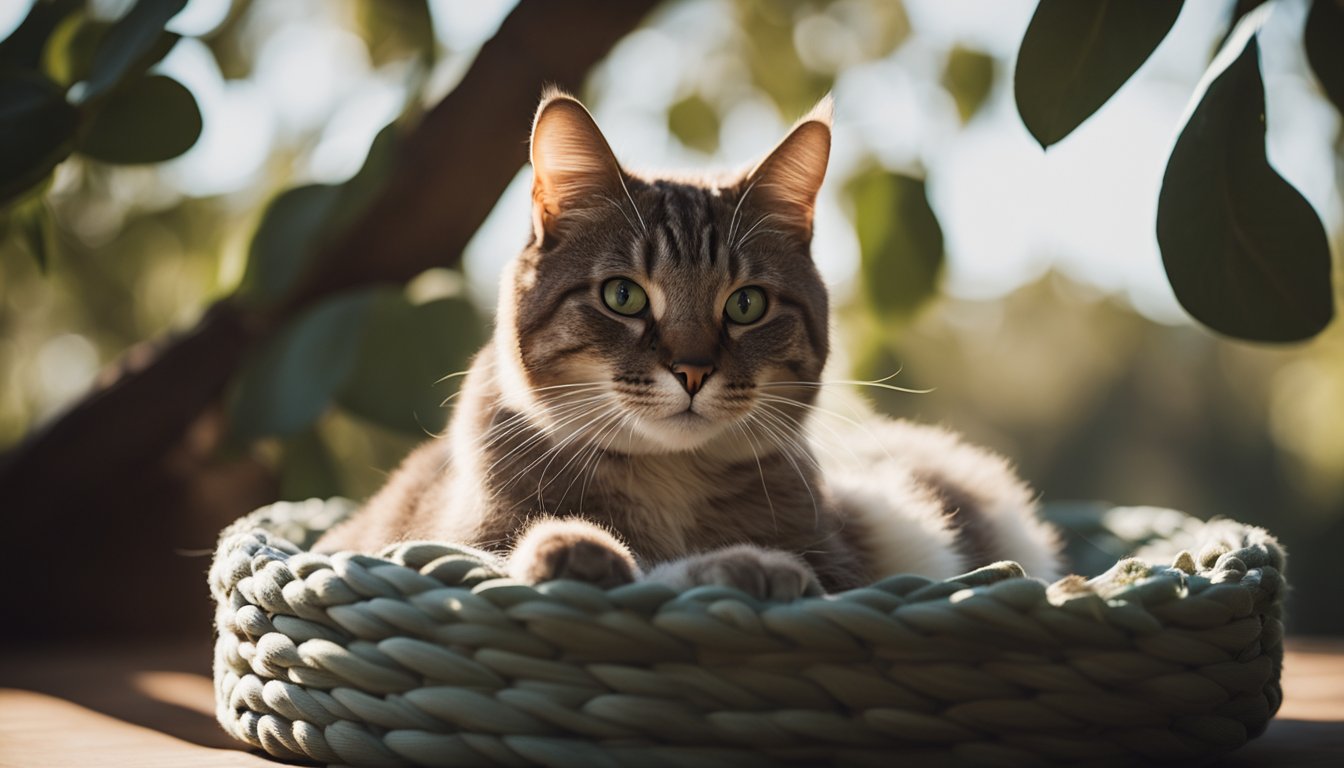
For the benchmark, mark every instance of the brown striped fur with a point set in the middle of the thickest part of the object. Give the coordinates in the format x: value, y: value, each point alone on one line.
x: 576, y: 451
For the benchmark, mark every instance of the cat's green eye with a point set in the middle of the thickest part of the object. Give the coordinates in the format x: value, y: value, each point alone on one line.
x: 746, y: 305
x: 624, y: 296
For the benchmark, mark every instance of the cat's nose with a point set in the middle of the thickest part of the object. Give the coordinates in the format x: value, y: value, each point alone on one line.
x: 692, y: 374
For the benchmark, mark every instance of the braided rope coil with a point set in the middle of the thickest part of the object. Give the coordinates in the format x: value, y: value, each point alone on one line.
x: 427, y: 656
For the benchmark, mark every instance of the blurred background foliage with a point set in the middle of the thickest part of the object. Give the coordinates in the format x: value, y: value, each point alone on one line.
x: 238, y: 141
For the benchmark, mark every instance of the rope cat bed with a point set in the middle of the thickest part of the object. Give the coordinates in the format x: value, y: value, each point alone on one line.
x: 426, y: 656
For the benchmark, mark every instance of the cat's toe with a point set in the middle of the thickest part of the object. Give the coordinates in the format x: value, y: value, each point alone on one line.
x: 572, y: 552
x: 761, y: 573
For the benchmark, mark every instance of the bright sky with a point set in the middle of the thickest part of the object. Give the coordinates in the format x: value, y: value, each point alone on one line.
x: 1009, y: 211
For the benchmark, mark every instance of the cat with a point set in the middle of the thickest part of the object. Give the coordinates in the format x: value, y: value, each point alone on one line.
x: 641, y: 410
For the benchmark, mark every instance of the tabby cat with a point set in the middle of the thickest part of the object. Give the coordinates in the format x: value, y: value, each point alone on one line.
x: 641, y: 410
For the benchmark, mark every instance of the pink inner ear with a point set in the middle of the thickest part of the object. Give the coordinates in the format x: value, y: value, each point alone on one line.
x: 571, y: 160
x: 786, y: 182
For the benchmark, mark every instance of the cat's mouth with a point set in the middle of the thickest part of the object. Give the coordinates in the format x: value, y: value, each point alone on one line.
x: 681, y: 431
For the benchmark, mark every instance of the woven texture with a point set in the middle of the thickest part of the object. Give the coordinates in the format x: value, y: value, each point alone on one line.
x: 426, y: 656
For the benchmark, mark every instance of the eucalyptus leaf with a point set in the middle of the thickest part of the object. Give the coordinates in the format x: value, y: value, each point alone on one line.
x: 1324, y: 41
x: 38, y: 130
x: 291, y: 380
x: 406, y: 353
x: 289, y: 234
x: 900, y: 242
x: 135, y: 42
x: 149, y: 121
x: 1244, y: 251
x: 1077, y: 53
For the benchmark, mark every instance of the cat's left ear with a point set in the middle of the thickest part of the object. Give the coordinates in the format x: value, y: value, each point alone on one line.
x: 573, y: 167
x: 786, y: 182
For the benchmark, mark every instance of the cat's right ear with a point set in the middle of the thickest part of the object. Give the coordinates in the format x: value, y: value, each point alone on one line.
x: 573, y: 167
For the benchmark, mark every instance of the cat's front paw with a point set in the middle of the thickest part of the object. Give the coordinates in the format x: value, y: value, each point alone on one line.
x: 572, y: 549
x: 767, y: 574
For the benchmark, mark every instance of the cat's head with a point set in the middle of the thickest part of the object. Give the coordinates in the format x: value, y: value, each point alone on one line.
x: 662, y: 314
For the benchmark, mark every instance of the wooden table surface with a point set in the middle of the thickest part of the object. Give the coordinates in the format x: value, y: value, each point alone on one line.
x: 153, y: 707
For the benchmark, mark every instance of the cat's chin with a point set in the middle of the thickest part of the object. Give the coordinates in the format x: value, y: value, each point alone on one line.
x: 684, y: 431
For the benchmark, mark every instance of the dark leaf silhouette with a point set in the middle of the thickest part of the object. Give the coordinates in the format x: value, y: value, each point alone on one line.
x: 68, y: 56
x: 37, y: 126
x: 149, y: 121
x: 286, y: 239
x: 22, y: 49
x: 1244, y: 251
x: 291, y: 380
x: 1077, y: 53
x: 407, y: 351
x: 134, y: 43
x: 1324, y: 41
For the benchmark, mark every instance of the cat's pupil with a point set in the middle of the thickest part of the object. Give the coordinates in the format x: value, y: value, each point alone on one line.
x: 622, y: 294
x: 743, y: 301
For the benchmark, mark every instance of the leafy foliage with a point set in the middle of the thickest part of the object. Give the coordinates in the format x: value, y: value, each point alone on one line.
x: 695, y: 122
x: 395, y: 27
x: 39, y: 130
x: 286, y: 239
x: 1251, y: 259
x: 134, y: 43
x: 969, y: 77
x: 1323, y: 39
x: 1076, y: 55
x: 294, y: 377
x: 151, y: 120
x: 70, y: 84
x: 405, y: 354
x: 901, y: 242
x: 1244, y: 251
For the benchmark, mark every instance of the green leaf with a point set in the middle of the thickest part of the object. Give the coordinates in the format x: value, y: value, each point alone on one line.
x: 1244, y: 251
x: 364, y: 186
x: 23, y: 48
x: 394, y: 28
x: 772, y: 57
x: 68, y: 57
x: 398, y: 380
x: 298, y: 221
x: 1324, y: 41
x: 38, y: 129
x: 284, y: 243
x: 307, y: 468
x: 290, y: 381
x: 1077, y: 53
x: 149, y: 121
x: 134, y: 43
x: 695, y: 122
x: 968, y: 76
x: 900, y: 242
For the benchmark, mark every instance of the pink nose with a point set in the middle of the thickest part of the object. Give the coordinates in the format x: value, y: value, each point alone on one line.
x: 692, y: 375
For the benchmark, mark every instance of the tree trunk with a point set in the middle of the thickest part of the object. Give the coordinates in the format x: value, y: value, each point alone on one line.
x: 97, y: 505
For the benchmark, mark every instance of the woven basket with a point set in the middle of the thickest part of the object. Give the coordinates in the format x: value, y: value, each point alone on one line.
x: 425, y: 656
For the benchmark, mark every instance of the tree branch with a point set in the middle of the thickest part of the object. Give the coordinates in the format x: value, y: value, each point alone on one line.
x: 81, y: 491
